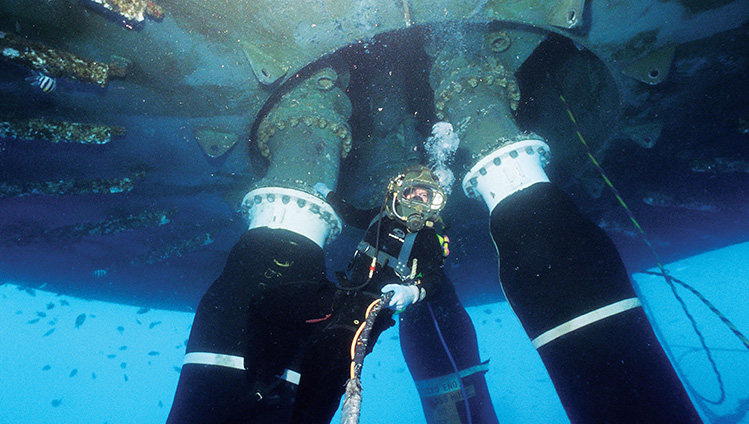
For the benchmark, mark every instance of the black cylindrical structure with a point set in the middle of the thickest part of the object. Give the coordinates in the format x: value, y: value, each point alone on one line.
x: 568, y: 286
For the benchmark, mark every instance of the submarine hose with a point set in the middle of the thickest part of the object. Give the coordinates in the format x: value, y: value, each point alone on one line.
x: 351, y: 409
x: 664, y: 272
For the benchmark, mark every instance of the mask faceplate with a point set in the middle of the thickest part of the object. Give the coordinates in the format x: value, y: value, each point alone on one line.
x: 415, y: 197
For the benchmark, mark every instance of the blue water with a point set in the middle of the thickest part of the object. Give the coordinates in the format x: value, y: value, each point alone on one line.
x: 121, y: 364
x: 77, y: 348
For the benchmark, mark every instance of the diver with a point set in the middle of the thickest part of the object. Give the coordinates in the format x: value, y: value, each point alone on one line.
x: 403, y: 251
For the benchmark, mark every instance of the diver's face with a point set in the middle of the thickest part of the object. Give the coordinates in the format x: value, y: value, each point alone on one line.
x: 418, y: 194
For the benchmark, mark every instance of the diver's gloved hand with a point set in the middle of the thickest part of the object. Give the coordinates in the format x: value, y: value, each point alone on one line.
x: 322, y: 189
x: 403, y: 295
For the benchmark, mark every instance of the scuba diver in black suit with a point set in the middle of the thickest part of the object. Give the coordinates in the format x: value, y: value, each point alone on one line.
x: 403, y: 251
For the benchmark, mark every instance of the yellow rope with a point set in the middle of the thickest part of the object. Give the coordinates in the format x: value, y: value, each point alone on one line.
x: 664, y: 272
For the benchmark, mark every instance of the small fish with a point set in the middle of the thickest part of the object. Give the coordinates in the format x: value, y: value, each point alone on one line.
x: 93, y: 376
x: 56, y: 402
x: 153, y: 324
x: 123, y: 365
x: 125, y: 375
x: 34, y: 321
x: 120, y: 329
x: 111, y: 356
x: 47, y: 367
x: 123, y: 347
x: 100, y: 273
x: 667, y: 201
x: 45, y: 82
x: 64, y: 302
x: 153, y: 353
x: 720, y: 165
x: 41, y: 314
x: 80, y: 320
x: 617, y: 228
x: 178, y: 369
x: 161, y: 404
x: 51, y: 330
x: 143, y: 310
x: 74, y: 372
x: 50, y: 305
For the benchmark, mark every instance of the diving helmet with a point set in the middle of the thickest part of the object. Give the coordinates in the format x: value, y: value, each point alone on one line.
x: 415, y: 197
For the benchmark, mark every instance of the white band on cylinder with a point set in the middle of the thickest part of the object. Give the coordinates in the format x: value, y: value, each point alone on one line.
x: 291, y: 376
x: 586, y: 319
x: 506, y: 170
x: 218, y: 359
x: 232, y: 361
x: 293, y: 210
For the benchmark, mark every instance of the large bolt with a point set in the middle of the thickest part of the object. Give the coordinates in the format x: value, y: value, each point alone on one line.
x: 499, y: 41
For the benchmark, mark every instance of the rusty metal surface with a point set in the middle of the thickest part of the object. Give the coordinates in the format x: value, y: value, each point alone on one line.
x: 254, y: 45
x: 191, y: 79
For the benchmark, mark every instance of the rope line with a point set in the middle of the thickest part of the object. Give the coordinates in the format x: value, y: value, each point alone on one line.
x: 663, y: 271
x: 453, y: 363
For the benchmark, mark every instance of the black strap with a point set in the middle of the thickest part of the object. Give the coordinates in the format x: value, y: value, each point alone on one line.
x: 402, y: 268
x: 399, y: 264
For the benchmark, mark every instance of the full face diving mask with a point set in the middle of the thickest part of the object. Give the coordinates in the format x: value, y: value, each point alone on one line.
x: 415, y: 197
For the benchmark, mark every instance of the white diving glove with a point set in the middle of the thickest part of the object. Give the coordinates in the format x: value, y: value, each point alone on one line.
x: 322, y: 189
x: 403, y: 295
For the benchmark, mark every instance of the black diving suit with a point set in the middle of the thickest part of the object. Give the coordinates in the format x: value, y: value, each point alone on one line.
x: 436, y: 334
